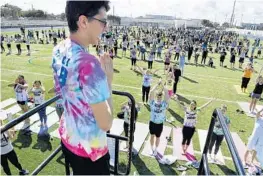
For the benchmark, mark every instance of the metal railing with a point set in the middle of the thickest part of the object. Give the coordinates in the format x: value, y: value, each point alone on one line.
x: 204, y: 168
x: 115, y: 169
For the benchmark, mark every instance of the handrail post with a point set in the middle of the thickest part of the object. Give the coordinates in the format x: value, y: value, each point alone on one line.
x: 208, y: 139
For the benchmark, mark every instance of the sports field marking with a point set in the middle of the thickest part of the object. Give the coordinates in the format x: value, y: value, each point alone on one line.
x: 4, y: 80
x: 205, y: 76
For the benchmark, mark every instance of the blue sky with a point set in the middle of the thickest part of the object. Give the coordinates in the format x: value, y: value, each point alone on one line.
x: 215, y: 10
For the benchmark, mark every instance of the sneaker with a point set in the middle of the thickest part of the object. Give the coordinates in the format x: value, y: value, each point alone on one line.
x: 181, y: 168
x: 23, y: 172
x: 155, y: 152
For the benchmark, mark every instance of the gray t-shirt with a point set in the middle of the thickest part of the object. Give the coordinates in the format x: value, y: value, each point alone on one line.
x: 6, y: 145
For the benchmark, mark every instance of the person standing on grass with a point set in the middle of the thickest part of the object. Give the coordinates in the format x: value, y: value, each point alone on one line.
x: 20, y: 87
x: 190, y: 121
x: 218, y: 134
x: 146, y: 84
x: 133, y: 58
x: 255, y: 142
x: 177, y: 52
x: 8, y: 43
x: 116, y: 48
x: 182, y: 62
x: 259, y: 50
x: 167, y: 61
x: 222, y: 57
x: 242, y: 57
x: 2, y: 44
x: 246, y: 77
x: 256, y: 94
x: 177, y: 74
x: 150, y: 60
x: 8, y: 153
x: 124, y: 47
x: 85, y: 85
x: 38, y: 91
x: 233, y: 59
x: 205, y: 53
x: 158, y: 108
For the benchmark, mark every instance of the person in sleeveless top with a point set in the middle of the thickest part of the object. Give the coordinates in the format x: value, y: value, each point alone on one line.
x: 256, y: 94
x: 190, y: 121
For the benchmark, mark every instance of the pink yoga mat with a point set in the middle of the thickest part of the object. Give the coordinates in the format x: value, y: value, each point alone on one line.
x: 177, y: 146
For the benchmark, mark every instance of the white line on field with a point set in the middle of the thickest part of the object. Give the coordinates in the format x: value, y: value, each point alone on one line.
x: 4, y: 81
x: 34, y: 73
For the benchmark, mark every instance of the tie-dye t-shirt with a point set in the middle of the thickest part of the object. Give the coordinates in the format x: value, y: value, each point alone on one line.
x: 82, y: 82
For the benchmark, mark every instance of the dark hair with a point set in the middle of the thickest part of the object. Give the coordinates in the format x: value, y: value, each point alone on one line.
x: 21, y: 76
x: 37, y: 81
x: 76, y: 8
x: 193, y: 101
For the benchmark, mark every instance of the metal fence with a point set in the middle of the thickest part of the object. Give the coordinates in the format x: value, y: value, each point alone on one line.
x: 115, y: 169
x: 204, y: 168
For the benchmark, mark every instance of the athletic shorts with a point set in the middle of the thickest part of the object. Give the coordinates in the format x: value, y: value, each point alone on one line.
x: 155, y: 129
x: 252, y: 142
x: 166, y: 63
x: 259, y: 52
x: 21, y: 102
x: 170, y: 93
x: 124, y: 49
x: 256, y: 96
x: 8, y: 45
x: 241, y: 60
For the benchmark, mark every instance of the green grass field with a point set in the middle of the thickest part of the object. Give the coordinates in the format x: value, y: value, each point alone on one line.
x: 200, y: 83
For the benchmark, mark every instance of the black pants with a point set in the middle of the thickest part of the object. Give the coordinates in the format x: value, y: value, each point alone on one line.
x: 133, y: 61
x: 175, y: 86
x: 115, y: 51
x: 145, y: 93
x: 176, y: 56
x: 245, y: 82
x: 2, y: 47
x: 159, y: 55
x: 216, y: 139
x: 211, y: 64
x: 28, y: 47
x: 85, y: 166
x: 18, y: 46
x: 12, y: 157
x: 190, y: 55
x: 188, y: 133
x: 150, y: 64
x: 204, y: 56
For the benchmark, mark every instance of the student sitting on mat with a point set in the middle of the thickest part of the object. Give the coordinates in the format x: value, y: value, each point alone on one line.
x: 218, y: 134
x: 190, y: 121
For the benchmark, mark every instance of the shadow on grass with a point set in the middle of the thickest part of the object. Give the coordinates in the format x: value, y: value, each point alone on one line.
x: 176, y: 116
x: 22, y: 140
x: 61, y: 159
x: 167, y: 170
x: 43, y: 144
x: 148, y: 107
x: 141, y: 167
x: 116, y: 71
x: 183, y: 99
x: 226, y: 170
x: 191, y: 80
x: 138, y: 73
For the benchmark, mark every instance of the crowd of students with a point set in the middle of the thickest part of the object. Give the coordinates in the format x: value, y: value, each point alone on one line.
x: 86, y: 98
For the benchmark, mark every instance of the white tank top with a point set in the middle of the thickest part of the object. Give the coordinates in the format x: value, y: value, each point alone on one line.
x: 38, y: 96
x: 21, y: 94
x: 190, y: 118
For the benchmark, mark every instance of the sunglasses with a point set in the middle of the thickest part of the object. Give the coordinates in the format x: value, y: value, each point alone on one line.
x: 104, y: 22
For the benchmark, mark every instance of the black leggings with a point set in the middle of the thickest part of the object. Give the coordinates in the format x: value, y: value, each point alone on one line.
x: 18, y: 46
x: 150, y: 64
x: 245, y: 82
x: 188, y: 133
x: 2, y: 47
x: 133, y: 62
x: 190, y: 55
x: 216, y: 139
x: 12, y: 157
x: 175, y: 86
x: 176, y: 56
x: 145, y: 93
x: 204, y: 57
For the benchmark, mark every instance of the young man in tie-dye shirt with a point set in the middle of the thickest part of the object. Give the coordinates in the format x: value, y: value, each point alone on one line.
x: 84, y: 83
